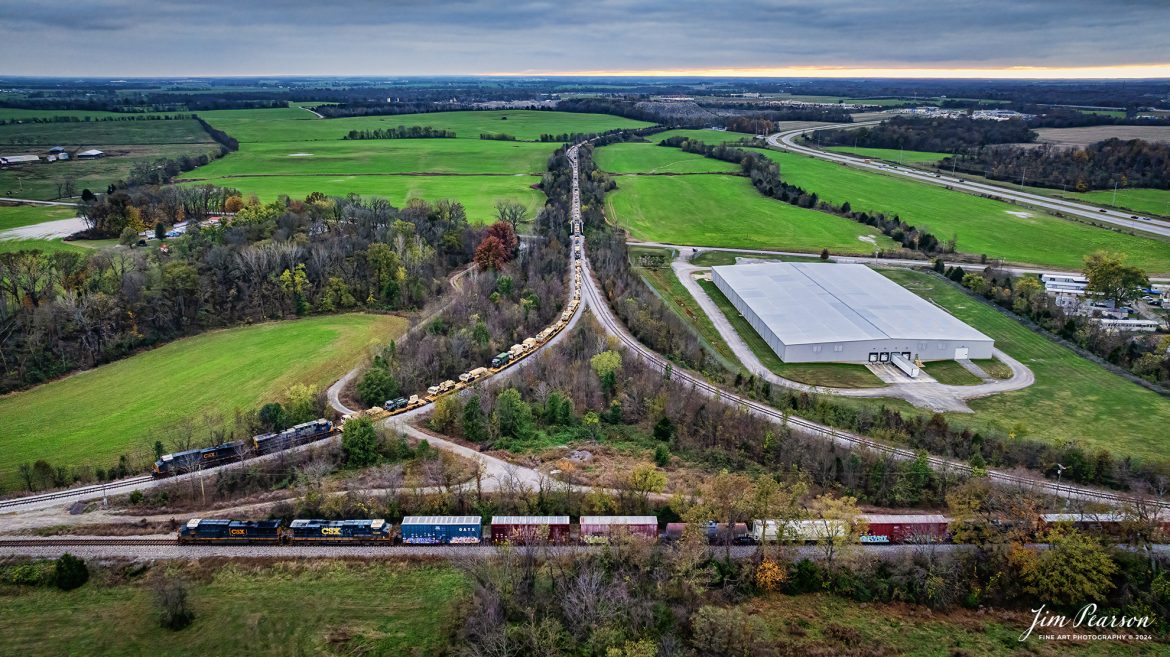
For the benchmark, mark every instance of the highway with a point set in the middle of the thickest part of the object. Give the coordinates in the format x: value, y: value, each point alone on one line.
x: 787, y: 141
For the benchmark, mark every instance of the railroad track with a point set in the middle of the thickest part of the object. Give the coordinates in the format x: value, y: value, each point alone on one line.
x: 71, y: 542
x: 594, y: 297
x: 82, y: 491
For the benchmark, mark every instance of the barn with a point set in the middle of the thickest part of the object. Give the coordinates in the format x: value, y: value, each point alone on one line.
x: 844, y: 313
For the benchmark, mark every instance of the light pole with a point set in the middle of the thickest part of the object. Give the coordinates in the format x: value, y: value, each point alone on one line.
x: 1059, y: 472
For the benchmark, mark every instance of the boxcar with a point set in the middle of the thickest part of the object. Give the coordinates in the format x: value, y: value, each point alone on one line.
x: 301, y: 434
x: 599, y: 529
x: 527, y: 530
x: 797, y: 531
x: 195, y: 459
x: 303, y: 531
x: 441, y: 530
x: 925, y: 528
x: 215, y: 530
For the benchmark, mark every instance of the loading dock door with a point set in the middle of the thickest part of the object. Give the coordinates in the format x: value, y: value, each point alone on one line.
x: 884, y: 357
x: 873, y: 357
x: 960, y: 353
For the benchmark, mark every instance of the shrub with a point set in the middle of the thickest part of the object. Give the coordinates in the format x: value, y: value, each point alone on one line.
x: 70, y: 572
x: 662, y: 456
x: 174, y: 611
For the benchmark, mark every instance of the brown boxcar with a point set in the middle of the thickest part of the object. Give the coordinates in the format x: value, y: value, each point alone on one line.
x: 528, y: 530
x: 925, y: 528
x: 599, y: 529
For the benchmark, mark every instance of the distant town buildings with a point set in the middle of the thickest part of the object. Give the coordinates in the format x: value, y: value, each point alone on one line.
x: 979, y: 115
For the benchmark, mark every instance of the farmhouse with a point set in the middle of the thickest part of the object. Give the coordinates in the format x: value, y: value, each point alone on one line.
x: 91, y: 154
x: 838, y: 313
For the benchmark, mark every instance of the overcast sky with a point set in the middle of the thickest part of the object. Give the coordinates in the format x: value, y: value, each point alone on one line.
x: 417, y: 37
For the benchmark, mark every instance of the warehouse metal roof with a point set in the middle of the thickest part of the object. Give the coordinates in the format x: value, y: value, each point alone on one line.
x: 805, y: 303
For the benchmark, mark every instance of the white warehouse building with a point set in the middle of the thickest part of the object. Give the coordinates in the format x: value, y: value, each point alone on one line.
x: 838, y: 313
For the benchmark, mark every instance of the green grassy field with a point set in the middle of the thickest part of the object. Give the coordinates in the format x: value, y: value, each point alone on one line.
x: 285, y: 609
x: 671, y: 291
x: 715, y: 258
x: 39, y: 181
x: 891, y: 154
x: 824, y: 624
x: 381, y: 156
x: 124, y: 407
x: 478, y: 194
x: 1072, y: 400
x: 650, y: 158
x: 705, y: 136
x: 728, y: 211
x: 14, y: 216
x: 294, y: 124
x: 837, y: 375
x: 87, y: 134
x: 1148, y: 201
x: 951, y: 373
x: 982, y: 226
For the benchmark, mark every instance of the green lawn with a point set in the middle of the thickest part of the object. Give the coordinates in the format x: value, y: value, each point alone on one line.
x: 951, y: 373
x: 1148, y: 201
x: 982, y: 226
x: 1072, y: 400
x: 728, y: 211
x: 14, y: 216
x: 891, y: 154
x: 282, y: 610
x: 48, y: 246
x: 124, y: 407
x: 837, y: 375
x: 650, y: 158
x: 478, y: 194
x: 823, y: 624
x: 381, y: 156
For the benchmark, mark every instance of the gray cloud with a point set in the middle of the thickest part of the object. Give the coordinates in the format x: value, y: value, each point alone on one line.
x: 234, y: 37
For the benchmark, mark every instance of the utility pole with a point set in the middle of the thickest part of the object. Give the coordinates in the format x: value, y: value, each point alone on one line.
x: 1022, y: 174
x: 1114, y: 193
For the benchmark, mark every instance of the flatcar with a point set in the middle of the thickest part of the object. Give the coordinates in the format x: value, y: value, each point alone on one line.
x: 219, y: 531
x: 353, y: 532
x: 195, y: 459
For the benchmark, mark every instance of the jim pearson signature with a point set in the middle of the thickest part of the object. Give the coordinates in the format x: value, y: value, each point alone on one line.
x: 1087, y: 618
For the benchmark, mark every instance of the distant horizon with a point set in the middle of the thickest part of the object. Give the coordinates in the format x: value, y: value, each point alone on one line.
x: 1136, y: 72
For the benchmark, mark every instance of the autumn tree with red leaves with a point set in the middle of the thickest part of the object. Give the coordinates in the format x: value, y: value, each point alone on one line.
x: 491, y: 253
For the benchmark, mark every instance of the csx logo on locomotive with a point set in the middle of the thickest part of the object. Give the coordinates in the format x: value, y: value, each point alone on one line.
x: 238, y: 532
x: 331, y: 531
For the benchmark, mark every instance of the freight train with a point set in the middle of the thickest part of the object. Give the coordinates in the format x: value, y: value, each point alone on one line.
x: 267, y: 443
x: 593, y: 530
x: 500, y: 361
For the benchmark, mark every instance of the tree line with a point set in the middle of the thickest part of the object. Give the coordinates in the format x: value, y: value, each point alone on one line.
x: 1101, y: 165
x: 402, y: 132
x: 764, y: 174
x: 937, y: 135
x: 96, y: 119
x: 64, y: 311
